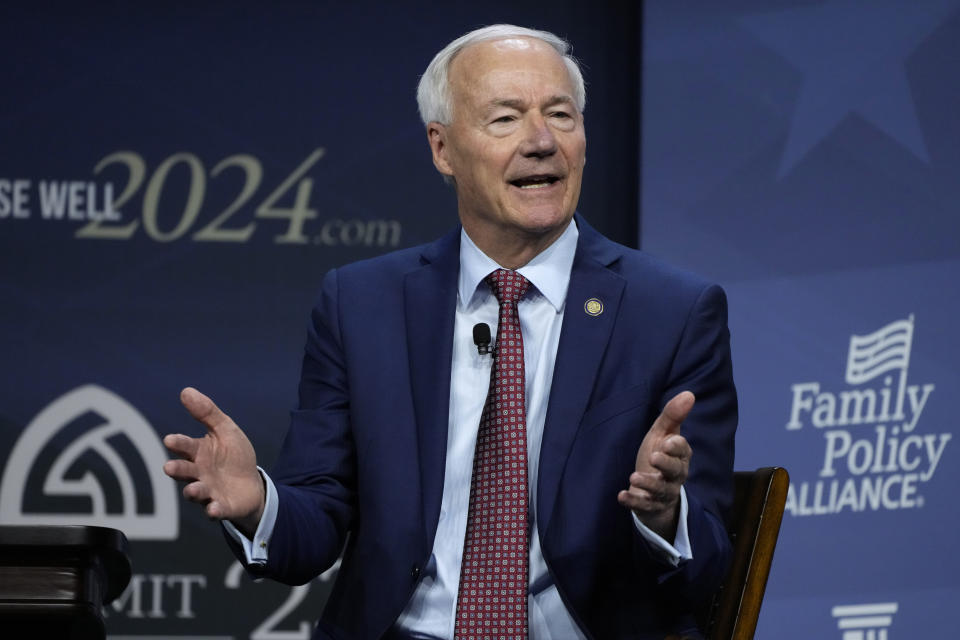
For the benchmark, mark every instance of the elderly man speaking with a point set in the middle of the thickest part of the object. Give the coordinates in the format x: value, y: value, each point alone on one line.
x: 499, y: 426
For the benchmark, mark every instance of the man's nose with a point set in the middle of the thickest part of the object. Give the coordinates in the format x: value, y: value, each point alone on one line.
x: 539, y: 141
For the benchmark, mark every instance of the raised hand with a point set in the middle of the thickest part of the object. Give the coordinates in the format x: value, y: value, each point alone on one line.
x: 220, y: 468
x: 663, y: 463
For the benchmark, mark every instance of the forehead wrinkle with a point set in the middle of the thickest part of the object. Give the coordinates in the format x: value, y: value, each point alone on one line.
x: 519, y: 104
x: 500, y: 76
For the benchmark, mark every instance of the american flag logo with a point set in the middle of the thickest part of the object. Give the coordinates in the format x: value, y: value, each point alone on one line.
x: 886, y: 349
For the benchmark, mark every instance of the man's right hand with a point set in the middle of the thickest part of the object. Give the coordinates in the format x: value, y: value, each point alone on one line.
x: 220, y: 469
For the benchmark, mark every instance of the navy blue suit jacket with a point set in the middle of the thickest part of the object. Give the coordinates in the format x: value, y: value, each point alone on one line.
x: 365, y: 451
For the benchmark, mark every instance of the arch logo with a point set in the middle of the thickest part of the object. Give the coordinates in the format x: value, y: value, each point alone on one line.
x: 90, y: 458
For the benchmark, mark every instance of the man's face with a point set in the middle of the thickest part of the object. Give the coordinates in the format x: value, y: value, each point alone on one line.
x: 516, y: 144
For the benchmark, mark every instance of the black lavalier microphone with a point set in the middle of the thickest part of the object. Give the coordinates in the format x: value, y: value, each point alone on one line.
x: 481, y: 338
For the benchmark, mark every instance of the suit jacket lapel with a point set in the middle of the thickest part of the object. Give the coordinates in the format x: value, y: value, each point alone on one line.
x: 430, y: 295
x: 583, y: 342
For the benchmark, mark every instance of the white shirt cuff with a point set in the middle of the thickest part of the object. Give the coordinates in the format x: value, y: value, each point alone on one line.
x: 680, y: 549
x: 256, y: 550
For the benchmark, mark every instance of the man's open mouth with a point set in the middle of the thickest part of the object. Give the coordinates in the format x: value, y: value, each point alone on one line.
x: 535, y: 182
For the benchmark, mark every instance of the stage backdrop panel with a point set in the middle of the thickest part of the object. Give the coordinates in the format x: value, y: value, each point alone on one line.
x: 175, y: 179
x: 807, y: 155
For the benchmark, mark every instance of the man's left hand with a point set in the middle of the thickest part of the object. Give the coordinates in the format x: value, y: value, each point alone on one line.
x: 663, y: 463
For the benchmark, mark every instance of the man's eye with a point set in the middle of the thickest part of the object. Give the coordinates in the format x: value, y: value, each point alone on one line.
x: 504, y: 119
x: 560, y: 114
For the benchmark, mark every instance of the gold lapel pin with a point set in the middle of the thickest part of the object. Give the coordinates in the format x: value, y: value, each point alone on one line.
x: 593, y: 307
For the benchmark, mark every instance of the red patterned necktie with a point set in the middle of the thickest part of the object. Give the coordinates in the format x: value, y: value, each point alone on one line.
x: 492, y: 599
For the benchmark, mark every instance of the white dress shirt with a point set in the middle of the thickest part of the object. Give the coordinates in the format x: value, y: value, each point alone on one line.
x: 432, y: 608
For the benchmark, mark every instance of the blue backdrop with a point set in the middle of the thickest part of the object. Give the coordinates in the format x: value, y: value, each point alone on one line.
x: 804, y: 154
x: 807, y: 155
x: 175, y: 178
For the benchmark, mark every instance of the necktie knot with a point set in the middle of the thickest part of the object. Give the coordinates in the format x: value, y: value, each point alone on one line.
x: 507, y: 286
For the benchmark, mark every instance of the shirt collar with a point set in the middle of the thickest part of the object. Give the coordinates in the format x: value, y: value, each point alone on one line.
x: 549, y: 271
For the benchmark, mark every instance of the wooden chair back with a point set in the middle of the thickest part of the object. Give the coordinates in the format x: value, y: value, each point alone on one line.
x: 758, y: 503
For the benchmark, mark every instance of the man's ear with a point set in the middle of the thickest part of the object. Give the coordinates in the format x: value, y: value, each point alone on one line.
x: 437, y: 138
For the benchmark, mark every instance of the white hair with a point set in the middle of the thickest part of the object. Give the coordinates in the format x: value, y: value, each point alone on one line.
x: 433, y: 92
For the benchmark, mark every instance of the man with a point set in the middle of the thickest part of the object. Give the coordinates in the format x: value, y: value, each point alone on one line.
x: 622, y: 532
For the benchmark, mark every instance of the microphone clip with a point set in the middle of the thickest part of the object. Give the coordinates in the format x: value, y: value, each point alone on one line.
x: 481, y: 338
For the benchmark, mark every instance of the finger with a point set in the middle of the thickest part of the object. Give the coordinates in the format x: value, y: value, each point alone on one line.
x: 676, y: 446
x: 181, y: 445
x: 637, y: 500
x: 214, y: 510
x: 203, y: 409
x: 649, y: 480
x: 641, y: 501
x: 671, y: 467
x: 673, y: 414
x: 659, y: 489
x: 181, y: 470
x: 197, y: 492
